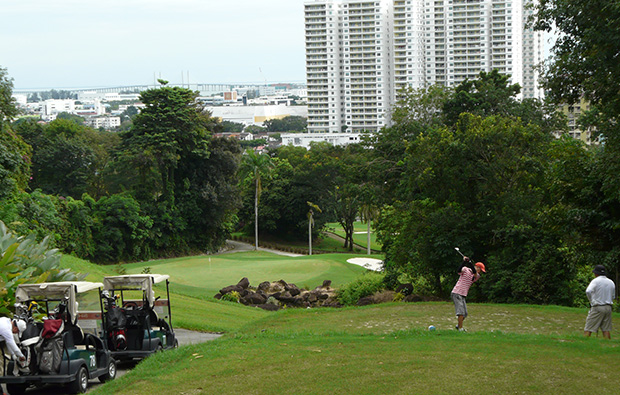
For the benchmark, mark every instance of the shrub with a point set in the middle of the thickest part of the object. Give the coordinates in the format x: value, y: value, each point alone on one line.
x: 233, y: 296
x: 365, y: 285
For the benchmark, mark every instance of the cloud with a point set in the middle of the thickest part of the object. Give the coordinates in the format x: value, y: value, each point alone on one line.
x: 70, y: 42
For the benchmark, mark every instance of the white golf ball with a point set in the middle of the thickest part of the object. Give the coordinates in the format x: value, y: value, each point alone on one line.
x: 431, y: 328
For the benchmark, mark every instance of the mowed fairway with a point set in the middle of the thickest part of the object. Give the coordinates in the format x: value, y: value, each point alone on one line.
x: 207, y: 274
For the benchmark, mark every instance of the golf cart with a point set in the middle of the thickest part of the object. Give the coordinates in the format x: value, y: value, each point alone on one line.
x: 136, y: 323
x: 56, y: 348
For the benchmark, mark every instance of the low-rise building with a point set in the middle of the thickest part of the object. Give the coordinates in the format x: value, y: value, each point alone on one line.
x: 304, y: 139
x: 103, y: 122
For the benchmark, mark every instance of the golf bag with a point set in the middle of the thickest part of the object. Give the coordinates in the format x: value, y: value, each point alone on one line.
x: 115, y: 323
x: 28, y: 339
x: 51, y: 346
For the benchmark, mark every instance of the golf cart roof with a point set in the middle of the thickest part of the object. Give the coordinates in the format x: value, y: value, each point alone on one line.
x: 142, y: 282
x: 59, y: 290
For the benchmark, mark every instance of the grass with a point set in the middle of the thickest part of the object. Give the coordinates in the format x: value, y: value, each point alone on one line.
x: 195, y: 280
x: 360, y: 234
x: 386, y: 349
x: 367, y: 350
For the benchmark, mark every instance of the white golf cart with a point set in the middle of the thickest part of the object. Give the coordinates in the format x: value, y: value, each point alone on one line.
x: 140, y: 324
x: 58, y: 350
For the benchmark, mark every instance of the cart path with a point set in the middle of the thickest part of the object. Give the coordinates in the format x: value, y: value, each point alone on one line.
x: 185, y: 337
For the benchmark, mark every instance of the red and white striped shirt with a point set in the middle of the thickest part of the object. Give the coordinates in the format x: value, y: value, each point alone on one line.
x: 466, y: 279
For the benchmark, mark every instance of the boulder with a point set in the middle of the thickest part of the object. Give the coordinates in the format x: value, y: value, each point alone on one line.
x: 365, y: 301
x: 264, y: 286
x: 405, y: 289
x: 292, y: 288
x: 255, y: 298
x: 244, y: 283
x: 268, y: 307
x: 413, y: 298
x: 231, y: 288
x: 326, y: 284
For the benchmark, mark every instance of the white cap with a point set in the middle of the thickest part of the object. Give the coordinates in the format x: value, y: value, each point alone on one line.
x: 21, y: 325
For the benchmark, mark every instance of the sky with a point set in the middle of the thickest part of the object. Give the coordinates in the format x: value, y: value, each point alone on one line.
x: 63, y: 44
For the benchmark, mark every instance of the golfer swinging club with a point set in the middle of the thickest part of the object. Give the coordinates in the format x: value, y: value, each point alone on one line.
x: 468, y: 274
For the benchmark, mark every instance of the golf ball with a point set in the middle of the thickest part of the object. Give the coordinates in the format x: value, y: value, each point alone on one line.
x: 431, y: 328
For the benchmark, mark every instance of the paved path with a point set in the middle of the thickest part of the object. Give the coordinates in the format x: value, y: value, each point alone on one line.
x: 239, y: 246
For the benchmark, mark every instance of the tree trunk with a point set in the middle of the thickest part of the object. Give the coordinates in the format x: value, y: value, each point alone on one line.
x: 310, y: 236
x: 368, y: 237
x: 256, y: 217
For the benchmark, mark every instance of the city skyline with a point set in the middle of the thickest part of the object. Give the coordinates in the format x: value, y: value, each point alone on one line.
x: 72, y: 44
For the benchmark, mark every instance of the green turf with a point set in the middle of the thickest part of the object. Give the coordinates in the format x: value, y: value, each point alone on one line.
x: 360, y: 235
x: 364, y: 350
x: 206, y: 275
x: 387, y: 349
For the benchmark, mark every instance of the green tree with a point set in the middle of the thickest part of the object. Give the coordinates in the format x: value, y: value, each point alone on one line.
x: 172, y: 127
x: 256, y: 166
x: 286, y: 124
x: 8, y: 107
x: 489, y: 94
x: 584, y: 65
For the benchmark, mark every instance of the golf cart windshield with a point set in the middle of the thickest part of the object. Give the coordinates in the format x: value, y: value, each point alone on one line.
x: 56, y: 291
x: 143, y: 282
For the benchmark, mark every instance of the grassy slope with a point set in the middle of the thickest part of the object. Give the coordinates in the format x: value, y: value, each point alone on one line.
x: 368, y: 350
x: 195, y: 280
x: 363, y: 350
x: 206, y: 275
x: 360, y: 236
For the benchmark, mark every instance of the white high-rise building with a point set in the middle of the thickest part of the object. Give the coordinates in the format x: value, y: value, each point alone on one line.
x: 361, y: 53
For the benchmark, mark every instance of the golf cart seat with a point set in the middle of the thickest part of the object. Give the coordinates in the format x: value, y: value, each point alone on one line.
x: 73, y: 335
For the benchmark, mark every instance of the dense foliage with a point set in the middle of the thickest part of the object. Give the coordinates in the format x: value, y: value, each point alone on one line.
x: 474, y: 167
x: 163, y: 187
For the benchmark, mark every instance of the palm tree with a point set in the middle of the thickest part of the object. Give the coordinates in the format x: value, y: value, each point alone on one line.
x: 368, y: 213
x: 256, y: 165
x: 311, y: 223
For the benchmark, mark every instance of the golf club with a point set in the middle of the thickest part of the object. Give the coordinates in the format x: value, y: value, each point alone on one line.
x: 459, y: 251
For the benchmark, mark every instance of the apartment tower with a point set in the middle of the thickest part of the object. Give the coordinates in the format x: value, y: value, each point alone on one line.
x: 361, y: 53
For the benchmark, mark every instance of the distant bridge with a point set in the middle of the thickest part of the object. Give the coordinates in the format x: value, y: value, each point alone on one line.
x: 214, y: 88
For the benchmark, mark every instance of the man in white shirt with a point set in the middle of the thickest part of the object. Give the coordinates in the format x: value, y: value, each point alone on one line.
x: 600, y: 293
x: 7, y: 328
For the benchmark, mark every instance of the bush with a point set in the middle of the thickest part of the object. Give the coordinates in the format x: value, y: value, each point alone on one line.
x: 233, y: 296
x: 365, y: 285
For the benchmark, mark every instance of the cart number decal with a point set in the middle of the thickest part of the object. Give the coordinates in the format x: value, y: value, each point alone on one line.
x: 93, y: 362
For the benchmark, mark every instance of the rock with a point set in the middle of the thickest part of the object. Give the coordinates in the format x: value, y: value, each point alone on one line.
x: 292, y: 288
x: 365, y: 301
x: 268, y: 307
x: 255, y: 298
x: 218, y: 296
x: 276, y: 287
x: 272, y: 300
x: 230, y: 288
x: 413, y: 298
x: 244, y: 283
x: 405, y: 289
x: 326, y: 284
x: 264, y: 286
x: 282, y: 283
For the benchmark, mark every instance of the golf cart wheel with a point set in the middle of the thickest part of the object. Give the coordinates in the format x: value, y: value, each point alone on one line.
x: 111, y: 374
x: 176, y: 344
x: 16, y: 389
x: 80, y: 385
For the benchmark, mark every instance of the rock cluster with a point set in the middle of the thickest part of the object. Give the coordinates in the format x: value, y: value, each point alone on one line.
x: 275, y: 295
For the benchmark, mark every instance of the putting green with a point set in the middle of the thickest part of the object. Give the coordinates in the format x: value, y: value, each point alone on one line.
x: 207, y: 274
